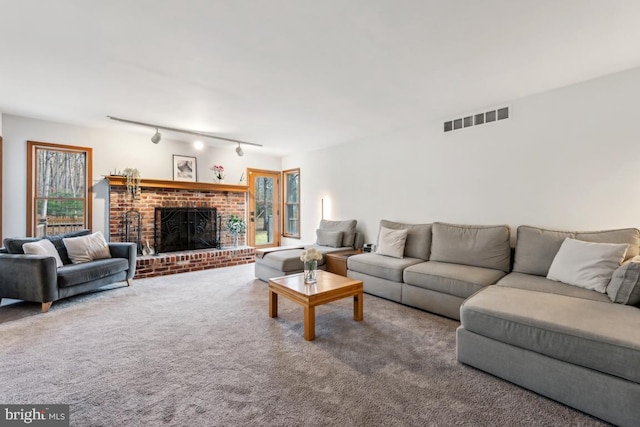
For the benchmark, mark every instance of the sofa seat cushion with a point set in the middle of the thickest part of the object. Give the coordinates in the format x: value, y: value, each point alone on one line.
x: 76, y: 274
x: 542, y: 284
x: 453, y: 279
x: 287, y: 260
x: 603, y: 336
x: 381, y: 266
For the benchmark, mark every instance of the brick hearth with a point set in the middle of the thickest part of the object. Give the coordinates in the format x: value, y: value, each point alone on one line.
x: 182, y: 262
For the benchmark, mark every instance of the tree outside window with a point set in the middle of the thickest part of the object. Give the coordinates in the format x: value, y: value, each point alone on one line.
x: 58, y: 189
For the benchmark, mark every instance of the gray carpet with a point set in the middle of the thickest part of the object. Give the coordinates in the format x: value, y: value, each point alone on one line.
x: 198, y: 349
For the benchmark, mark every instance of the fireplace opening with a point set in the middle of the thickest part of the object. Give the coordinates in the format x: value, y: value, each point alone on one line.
x: 182, y: 228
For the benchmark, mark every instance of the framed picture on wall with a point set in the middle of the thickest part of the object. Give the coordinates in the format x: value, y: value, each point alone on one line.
x: 184, y: 168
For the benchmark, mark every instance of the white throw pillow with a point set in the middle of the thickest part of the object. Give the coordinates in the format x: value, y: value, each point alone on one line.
x: 585, y: 264
x: 391, y: 242
x: 87, y: 248
x: 42, y: 247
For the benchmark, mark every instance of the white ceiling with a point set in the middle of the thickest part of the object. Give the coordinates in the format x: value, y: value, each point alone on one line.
x: 299, y: 74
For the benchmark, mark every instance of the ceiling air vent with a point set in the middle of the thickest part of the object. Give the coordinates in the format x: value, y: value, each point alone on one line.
x: 477, y: 119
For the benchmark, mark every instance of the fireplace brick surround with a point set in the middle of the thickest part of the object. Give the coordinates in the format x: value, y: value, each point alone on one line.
x: 228, y: 199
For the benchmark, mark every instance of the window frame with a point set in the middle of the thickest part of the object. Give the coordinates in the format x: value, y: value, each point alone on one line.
x: 32, y: 182
x: 286, y: 204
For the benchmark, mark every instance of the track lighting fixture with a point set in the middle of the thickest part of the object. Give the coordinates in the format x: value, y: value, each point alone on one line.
x: 158, y: 136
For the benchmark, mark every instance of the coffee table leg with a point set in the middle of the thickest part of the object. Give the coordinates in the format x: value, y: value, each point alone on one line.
x: 358, y: 306
x: 273, y: 304
x: 309, y: 323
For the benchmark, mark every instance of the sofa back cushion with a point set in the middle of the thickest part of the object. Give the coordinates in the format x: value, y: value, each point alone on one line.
x: 330, y: 238
x: 418, y: 243
x: 476, y: 245
x: 537, y: 247
x: 13, y: 245
x: 347, y: 227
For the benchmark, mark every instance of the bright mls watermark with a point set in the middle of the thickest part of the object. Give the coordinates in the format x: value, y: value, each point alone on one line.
x: 34, y: 415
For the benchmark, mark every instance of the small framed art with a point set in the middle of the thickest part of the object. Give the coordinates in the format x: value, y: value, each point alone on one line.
x: 184, y: 168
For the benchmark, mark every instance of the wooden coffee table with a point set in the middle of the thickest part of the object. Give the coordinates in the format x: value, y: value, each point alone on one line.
x: 329, y: 287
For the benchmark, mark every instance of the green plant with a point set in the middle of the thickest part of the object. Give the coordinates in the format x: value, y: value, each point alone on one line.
x: 236, y: 224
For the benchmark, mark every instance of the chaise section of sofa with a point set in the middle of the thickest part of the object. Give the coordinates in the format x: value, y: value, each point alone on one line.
x: 571, y: 344
x: 332, y: 237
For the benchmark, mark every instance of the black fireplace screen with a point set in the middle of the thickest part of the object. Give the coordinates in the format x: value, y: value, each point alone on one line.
x: 179, y: 229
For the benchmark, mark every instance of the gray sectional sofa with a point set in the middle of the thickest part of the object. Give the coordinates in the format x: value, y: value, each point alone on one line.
x: 575, y: 345
x: 332, y: 237
x: 37, y: 278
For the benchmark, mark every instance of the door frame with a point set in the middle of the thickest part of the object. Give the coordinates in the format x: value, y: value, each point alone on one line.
x: 277, y: 203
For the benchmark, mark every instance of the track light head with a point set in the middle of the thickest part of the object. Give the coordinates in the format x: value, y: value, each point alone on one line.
x: 156, y: 137
x: 240, y: 151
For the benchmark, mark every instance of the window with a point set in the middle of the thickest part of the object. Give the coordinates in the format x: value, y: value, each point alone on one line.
x: 292, y: 203
x: 58, y: 188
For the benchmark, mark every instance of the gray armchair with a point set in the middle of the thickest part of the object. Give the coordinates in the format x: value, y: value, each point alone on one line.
x: 36, y: 277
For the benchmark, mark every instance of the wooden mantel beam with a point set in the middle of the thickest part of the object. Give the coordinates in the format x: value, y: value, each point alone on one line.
x: 118, y: 180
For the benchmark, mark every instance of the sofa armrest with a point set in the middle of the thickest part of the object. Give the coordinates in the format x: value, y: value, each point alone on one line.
x: 28, y: 277
x: 127, y: 251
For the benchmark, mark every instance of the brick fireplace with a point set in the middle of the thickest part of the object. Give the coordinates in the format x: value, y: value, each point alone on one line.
x: 227, y: 199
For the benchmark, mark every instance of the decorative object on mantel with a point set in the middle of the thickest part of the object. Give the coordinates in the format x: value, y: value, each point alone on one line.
x: 310, y: 259
x: 236, y: 226
x: 133, y: 178
x: 184, y: 168
x: 218, y: 173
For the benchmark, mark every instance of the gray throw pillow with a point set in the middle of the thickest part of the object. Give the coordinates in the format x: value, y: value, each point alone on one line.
x: 348, y: 227
x: 329, y: 238
x: 624, y: 287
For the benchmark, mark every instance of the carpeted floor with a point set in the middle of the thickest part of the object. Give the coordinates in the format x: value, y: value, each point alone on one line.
x: 198, y: 349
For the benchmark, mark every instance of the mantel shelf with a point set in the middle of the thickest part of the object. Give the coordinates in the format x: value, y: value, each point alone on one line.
x: 118, y: 180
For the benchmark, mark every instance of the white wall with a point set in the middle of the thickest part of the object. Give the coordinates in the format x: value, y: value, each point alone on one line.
x: 112, y: 150
x: 567, y: 159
